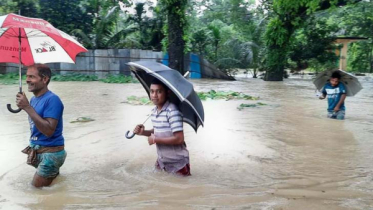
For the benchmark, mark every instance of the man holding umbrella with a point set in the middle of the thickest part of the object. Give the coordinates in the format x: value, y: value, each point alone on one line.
x: 167, y: 132
x: 29, y: 41
x: 46, y: 151
x: 336, y: 92
x: 176, y: 102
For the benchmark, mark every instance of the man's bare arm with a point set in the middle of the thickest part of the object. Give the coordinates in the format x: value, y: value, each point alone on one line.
x: 46, y: 126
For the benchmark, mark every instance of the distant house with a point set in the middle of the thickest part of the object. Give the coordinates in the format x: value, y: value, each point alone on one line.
x: 341, y: 51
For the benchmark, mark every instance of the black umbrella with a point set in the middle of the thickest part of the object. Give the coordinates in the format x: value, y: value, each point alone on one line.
x: 183, y: 94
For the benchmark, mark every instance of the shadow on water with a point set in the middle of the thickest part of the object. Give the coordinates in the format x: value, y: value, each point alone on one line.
x: 285, y: 155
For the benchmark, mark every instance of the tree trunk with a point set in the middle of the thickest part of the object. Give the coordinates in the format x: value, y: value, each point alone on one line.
x: 216, y: 50
x: 276, y: 59
x: 175, y: 42
x: 370, y: 58
x: 277, y: 53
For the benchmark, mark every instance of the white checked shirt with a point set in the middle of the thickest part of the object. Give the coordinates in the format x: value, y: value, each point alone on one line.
x: 166, y: 122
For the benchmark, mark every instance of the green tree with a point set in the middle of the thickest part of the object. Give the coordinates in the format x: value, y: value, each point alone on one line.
x: 177, y: 24
x: 360, y: 57
x: 357, y: 21
x: 28, y: 8
x: 66, y: 15
x: 239, y: 55
x: 312, y: 46
x: 199, y: 40
x: 287, y: 16
x: 150, y: 30
x: 216, y: 38
x: 105, y: 32
x: 8, y: 6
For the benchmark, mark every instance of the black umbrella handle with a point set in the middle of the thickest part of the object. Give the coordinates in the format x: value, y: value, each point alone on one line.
x: 15, y: 111
x: 9, y: 106
x: 127, y: 133
x: 131, y: 136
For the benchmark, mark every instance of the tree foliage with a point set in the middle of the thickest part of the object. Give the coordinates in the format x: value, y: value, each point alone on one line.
x: 177, y: 23
x: 232, y: 34
x: 287, y: 16
x: 312, y: 46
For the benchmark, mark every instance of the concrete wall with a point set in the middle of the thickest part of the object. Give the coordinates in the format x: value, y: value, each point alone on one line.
x: 113, y: 61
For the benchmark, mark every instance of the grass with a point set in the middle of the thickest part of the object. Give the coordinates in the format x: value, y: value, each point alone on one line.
x: 12, y: 78
x: 118, y: 79
x: 74, y: 77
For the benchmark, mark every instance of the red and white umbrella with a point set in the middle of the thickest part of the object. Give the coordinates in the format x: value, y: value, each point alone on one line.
x: 40, y: 41
x: 29, y: 41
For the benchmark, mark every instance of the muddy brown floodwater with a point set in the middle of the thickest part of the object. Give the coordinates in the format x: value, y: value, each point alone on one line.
x: 284, y: 155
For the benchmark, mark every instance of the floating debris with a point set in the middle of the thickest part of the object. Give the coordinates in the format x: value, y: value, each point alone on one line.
x: 137, y: 100
x: 82, y: 120
x: 242, y: 106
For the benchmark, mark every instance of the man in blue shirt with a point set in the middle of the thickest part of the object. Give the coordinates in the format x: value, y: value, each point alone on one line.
x: 336, y: 93
x: 46, y: 151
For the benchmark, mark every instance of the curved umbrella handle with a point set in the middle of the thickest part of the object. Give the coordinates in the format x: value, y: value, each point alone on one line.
x: 129, y: 137
x: 9, y: 106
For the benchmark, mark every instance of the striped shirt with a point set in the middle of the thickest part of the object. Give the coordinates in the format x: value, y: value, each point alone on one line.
x: 166, y: 122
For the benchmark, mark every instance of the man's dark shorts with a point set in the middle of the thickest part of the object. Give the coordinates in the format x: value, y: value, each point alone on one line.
x: 340, y: 115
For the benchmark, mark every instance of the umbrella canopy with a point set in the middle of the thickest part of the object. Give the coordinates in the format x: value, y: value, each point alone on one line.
x: 183, y: 94
x: 351, y: 82
x: 38, y: 40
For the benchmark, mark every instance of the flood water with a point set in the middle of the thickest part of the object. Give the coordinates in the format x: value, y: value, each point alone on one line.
x: 283, y: 155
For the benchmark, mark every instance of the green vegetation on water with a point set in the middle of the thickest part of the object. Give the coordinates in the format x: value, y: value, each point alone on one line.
x: 242, y: 106
x: 212, y: 94
x: 137, y: 100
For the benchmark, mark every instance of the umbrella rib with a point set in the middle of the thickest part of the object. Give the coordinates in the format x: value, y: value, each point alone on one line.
x: 143, y: 82
x: 36, y: 34
x: 7, y: 33
x: 190, y: 123
x: 195, y: 111
x: 28, y: 43
x: 14, y: 31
